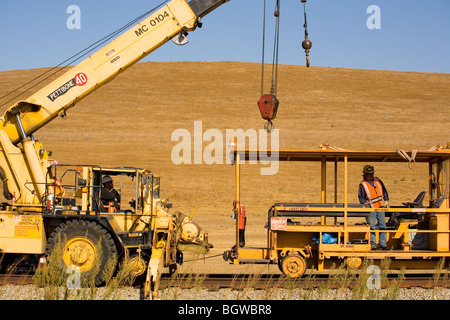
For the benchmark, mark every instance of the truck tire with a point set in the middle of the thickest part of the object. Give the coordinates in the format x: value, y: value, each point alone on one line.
x: 83, y: 241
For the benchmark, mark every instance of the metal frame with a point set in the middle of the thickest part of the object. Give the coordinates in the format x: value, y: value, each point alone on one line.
x: 438, y: 217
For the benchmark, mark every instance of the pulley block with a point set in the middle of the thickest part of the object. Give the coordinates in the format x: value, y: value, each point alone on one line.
x: 268, y: 106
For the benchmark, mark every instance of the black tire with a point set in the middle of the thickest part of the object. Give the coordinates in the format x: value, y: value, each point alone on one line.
x: 89, y: 234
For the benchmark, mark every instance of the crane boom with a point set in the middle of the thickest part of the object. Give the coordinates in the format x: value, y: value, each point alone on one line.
x: 202, y: 7
x: 23, y: 169
x: 178, y: 16
x: 40, y: 214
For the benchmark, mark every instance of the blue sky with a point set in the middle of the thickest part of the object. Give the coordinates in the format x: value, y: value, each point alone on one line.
x: 414, y: 35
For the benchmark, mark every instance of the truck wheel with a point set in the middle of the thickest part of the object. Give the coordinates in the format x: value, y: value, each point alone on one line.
x: 293, y: 265
x: 81, y: 239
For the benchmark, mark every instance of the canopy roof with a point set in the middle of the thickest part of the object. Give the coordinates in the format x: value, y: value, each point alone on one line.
x: 338, y: 155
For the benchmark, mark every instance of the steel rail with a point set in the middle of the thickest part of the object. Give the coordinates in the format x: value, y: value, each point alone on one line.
x: 16, y: 279
x: 271, y: 281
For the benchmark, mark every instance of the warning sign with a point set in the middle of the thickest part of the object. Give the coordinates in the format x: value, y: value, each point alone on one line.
x: 27, y: 226
x: 279, y: 224
x: 27, y: 232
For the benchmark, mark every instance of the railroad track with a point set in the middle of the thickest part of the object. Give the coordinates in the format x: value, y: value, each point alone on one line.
x: 264, y: 281
x: 17, y: 279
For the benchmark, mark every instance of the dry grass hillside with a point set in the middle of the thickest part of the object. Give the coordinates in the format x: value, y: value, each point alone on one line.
x: 129, y: 122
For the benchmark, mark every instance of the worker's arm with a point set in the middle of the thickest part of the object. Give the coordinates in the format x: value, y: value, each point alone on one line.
x: 385, y: 192
x: 362, y: 194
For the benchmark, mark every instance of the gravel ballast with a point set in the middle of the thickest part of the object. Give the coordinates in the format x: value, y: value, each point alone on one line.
x: 31, y: 292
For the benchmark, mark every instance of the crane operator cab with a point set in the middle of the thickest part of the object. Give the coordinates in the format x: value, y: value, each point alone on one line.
x: 122, y: 190
x: 92, y: 190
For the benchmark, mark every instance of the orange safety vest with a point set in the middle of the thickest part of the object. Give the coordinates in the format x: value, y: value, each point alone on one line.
x: 111, y: 207
x: 374, y: 194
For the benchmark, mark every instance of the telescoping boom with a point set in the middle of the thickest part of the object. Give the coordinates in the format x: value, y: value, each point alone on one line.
x: 25, y: 117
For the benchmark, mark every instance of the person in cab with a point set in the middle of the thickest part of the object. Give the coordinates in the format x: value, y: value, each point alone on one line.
x: 109, y: 196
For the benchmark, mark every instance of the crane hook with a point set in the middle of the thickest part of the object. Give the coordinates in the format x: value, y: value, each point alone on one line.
x: 268, y: 106
x: 268, y: 103
x: 269, y: 126
x: 306, y: 44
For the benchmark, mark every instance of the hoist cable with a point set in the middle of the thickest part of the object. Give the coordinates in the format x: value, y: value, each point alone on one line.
x: 263, y: 48
x: 306, y: 44
x: 306, y: 22
x: 76, y: 56
x: 276, y: 50
x: 274, y: 79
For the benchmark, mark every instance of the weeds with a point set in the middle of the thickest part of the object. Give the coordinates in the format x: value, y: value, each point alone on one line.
x: 246, y: 285
x: 362, y: 281
x: 439, y: 276
x: 124, y: 277
x: 393, y: 289
x: 60, y: 283
x: 178, y: 282
x: 369, y: 282
x: 52, y: 277
x: 307, y: 293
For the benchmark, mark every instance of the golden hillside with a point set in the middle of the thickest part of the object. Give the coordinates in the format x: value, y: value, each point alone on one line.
x: 130, y: 121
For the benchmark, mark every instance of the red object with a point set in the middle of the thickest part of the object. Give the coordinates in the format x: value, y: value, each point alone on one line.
x: 42, y: 261
x: 241, y: 217
x: 268, y: 105
x: 81, y: 79
x: 279, y: 224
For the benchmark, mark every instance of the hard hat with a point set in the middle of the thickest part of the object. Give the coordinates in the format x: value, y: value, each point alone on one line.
x: 368, y: 169
x: 106, y: 179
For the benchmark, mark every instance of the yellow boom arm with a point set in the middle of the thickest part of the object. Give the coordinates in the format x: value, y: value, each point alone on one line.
x: 63, y: 93
x: 27, y: 165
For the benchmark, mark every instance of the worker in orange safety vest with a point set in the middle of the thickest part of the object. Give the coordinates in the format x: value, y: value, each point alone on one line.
x: 109, y: 196
x: 373, y: 192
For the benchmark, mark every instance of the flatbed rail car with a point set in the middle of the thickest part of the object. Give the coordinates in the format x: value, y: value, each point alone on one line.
x: 417, y: 232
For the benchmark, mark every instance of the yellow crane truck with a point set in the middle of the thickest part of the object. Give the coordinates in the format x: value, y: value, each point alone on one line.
x: 49, y: 201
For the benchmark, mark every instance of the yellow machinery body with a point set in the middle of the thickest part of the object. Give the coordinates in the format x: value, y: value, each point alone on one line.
x: 145, y: 230
x: 39, y: 208
x: 417, y: 231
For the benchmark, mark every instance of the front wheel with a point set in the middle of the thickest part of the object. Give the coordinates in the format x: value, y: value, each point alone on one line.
x: 293, y: 265
x: 86, y: 245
